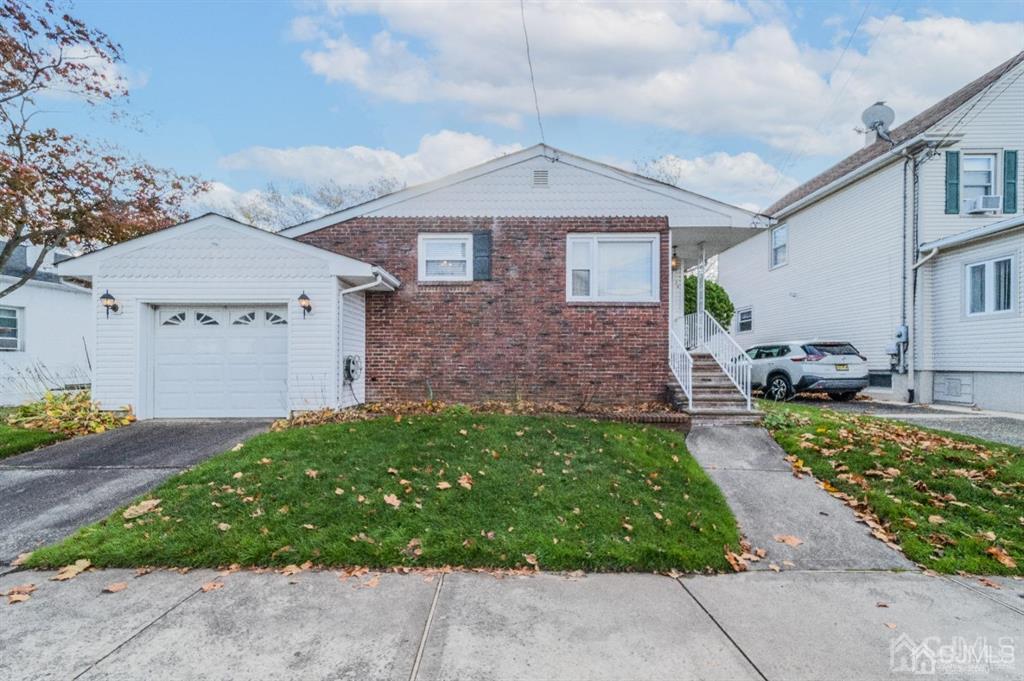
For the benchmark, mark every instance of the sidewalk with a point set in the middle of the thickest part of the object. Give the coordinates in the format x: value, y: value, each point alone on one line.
x: 791, y: 625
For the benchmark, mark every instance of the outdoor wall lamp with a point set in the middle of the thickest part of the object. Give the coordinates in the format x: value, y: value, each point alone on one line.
x: 675, y: 258
x: 305, y: 304
x: 110, y: 303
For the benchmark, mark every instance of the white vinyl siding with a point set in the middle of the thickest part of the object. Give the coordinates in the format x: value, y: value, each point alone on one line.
x: 612, y: 267
x: 952, y: 340
x: 780, y: 246
x: 11, y: 329
x: 445, y: 257
x: 989, y: 286
x: 353, y: 342
x: 842, y: 280
x: 994, y: 124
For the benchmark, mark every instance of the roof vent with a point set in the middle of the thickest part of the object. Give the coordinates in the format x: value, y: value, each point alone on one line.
x: 540, y: 178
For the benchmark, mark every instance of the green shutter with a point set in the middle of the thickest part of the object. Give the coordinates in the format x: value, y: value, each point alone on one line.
x: 1009, y: 181
x: 952, y: 182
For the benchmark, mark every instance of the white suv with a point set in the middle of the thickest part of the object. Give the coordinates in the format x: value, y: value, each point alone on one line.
x: 783, y: 369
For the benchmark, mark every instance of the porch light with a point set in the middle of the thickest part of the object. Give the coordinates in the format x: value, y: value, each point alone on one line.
x: 675, y: 258
x: 305, y: 304
x: 109, y: 302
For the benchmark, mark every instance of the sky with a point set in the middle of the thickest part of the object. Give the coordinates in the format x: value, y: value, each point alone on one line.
x: 739, y: 100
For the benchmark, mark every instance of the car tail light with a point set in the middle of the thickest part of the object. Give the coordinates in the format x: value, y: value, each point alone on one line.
x: 809, y: 358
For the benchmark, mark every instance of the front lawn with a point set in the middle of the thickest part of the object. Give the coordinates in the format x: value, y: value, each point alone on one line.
x: 460, y: 489
x: 953, y: 503
x: 15, y: 440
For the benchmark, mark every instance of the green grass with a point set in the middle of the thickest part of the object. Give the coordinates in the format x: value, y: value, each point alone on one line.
x: 574, y: 493
x: 17, y: 440
x: 946, y: 499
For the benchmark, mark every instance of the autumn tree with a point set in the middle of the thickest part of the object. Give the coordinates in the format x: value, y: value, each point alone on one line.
x: 58, y: 188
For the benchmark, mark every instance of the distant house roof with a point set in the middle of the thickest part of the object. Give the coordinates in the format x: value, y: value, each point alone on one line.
x: 912, y: 128
x: 18, y: 266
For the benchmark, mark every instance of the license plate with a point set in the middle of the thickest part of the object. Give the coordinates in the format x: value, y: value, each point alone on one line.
x: 842, y: 367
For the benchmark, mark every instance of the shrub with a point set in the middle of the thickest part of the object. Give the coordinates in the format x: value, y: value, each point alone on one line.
x: 716, y: 301
x: 72, y: 413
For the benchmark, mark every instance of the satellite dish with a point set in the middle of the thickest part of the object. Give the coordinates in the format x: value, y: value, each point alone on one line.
x: 878, y: 117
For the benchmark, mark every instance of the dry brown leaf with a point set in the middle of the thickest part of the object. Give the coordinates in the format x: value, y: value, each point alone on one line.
x: 223, y: 527
x: 238, y: 475
x: 339, y: 491
x: 531, y: 559
x: 788, y: 540
x: 238, y: 446
x: 19, y: 594
x: 115, y: 587
x: 310, y: 473
x: 736, y: 562
x: 71, y: 571
x: 372, y: 582
x: 140, y: 508
x: 211, y: 586
x: 1002, y: 556
x: 989, y: 583
x: 17, y: 598
x: 413, y: 549
x: 289, y: 570
x: 22, y: 557
x: 890, y: 625
x: 444, y: 485
x: 265, y: 461
x: 466, y: 480
x: 773, y: 567
x: 936, y: 519
x: 392, y: 500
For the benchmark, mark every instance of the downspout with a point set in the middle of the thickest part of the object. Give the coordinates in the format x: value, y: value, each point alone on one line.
x: 378, y: 281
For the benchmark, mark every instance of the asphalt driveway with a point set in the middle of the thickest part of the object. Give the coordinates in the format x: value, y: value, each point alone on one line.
x: 47, y: 494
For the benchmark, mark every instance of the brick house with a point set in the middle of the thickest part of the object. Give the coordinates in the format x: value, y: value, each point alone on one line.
x: 538, y: 275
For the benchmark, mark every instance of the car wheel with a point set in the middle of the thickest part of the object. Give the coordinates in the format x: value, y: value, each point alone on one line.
x: 842, y: 397
x: 779, y: 388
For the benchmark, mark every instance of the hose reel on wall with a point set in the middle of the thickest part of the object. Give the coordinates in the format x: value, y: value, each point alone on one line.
x: 353, y: 368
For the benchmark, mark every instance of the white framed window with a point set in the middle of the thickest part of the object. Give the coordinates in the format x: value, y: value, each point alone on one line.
x: 988, y: 286
x: 619, y: 268
x: 744, y: 320
x: 780, y: 246
x: 977, y: 176
x: 445, y: 257
x: 11, y: 329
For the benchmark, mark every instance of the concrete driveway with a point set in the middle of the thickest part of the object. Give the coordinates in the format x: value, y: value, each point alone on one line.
x: 47, y: 494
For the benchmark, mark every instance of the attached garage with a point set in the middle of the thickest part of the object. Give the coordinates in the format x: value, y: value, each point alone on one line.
x: 206, y: 322
x: 222, y: 361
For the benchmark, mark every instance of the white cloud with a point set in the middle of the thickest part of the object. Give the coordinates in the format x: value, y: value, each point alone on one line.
x: 437, y: 155
x: 744, y: 179
x: 673, y: 65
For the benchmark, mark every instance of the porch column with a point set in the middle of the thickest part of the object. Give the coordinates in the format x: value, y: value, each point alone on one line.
x: 701, y: 268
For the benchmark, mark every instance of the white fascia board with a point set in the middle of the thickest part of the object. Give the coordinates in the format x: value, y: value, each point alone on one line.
x: 734, y: 213
x: 973, y: 234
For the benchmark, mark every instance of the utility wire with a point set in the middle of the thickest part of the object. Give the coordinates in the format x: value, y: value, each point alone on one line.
x: 529, y: 60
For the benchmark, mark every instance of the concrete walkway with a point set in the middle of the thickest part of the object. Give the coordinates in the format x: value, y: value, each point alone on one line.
x: 47, y: 494
x: 793, y: 625
x: 749, y: 467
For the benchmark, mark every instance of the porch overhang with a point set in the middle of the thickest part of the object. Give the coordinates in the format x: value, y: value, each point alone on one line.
x: 691, y: 243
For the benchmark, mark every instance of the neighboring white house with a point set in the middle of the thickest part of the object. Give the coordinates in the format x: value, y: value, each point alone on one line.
x: 911, y: 250
x: 45, y: 331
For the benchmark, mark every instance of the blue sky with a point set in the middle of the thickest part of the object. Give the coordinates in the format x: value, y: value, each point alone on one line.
x: 737, y: 100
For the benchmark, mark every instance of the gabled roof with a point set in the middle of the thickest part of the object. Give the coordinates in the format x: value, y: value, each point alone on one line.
x: 909, y: 130
x: 737, y: 216
x: 340, y: 265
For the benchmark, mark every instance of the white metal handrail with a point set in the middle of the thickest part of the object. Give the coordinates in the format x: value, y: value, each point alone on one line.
x: 728, y: 353
x: 681, y: 364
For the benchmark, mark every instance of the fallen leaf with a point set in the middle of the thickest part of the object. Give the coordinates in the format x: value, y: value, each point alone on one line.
x: 413, y: 549
x: 392, y: 500
x: 1001, y: 555
x: 372, y: 582
x: 531, y: 559
x: 71, y: 571
x: 773, y: 567
x: 237, y: 475
x: 223, y: 527
x: 444, y: 485
x: 737, y: 563
x: 310, y: 473
x: 309, y: 526
x: 19, y: 594
x: 115, y: 587
x: 22, y: 557
x: 289, y: 570
x: 658, y: 515
x: 936, y: 519
x: 891, y: 626
x: 211, y: 586
x: 339, y: 491
x: 880, y: 604
x: 466, y: 480
x: 265, y: 461
x: 140, y: 508
x: 238, y: 446
x: 788, y: 539
x: 989, y: 583
x: 17, y: 598
x: 463, y: 432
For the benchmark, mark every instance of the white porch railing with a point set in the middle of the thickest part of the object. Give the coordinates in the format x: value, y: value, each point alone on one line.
x: 681, y: 363
x: 704, y: 331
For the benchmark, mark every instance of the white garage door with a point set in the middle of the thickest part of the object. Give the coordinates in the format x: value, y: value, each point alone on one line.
x: 220, y: 361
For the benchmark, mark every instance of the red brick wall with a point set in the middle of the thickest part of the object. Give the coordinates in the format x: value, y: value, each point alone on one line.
x: 513, y: 336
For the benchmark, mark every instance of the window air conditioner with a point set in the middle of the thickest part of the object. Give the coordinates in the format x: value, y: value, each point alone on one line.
x: 983, y: 204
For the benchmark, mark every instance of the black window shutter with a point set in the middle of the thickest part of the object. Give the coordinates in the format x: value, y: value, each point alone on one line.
x: 481, y: 256
x: 952, y: 182
x: 1009, y: 181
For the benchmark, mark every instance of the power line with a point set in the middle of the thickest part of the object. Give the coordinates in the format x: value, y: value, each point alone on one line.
x: 529, y: 60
